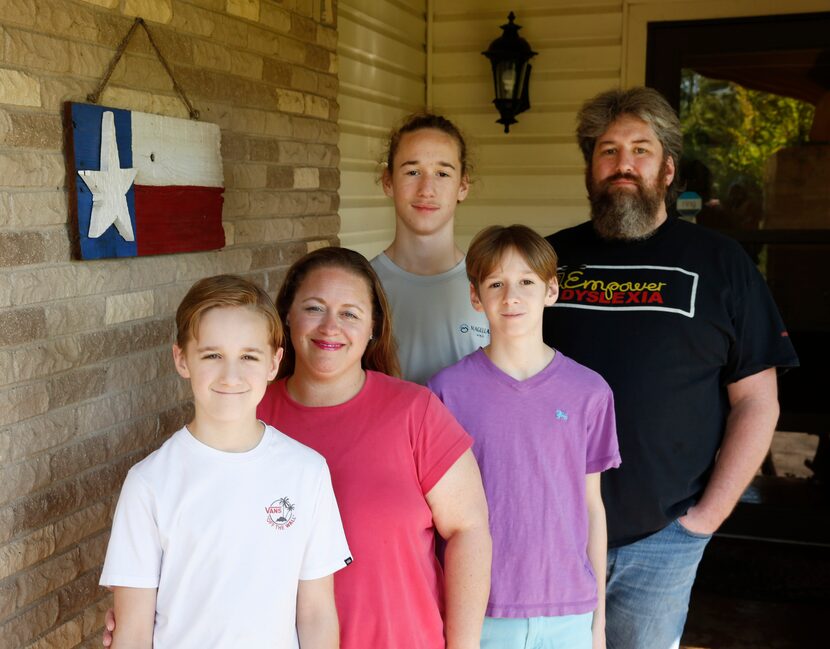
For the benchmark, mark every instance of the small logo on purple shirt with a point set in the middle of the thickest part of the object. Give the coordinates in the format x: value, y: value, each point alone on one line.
x: 562, y: 415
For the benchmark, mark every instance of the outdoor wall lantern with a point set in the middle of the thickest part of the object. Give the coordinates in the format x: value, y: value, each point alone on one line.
x: 509, y: 55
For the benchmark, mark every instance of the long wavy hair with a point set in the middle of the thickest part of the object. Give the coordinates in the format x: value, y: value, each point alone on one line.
x: 381, y: 354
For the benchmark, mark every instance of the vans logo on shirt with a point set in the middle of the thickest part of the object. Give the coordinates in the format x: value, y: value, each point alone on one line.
x: 280, y: 514
x: 561, y: 415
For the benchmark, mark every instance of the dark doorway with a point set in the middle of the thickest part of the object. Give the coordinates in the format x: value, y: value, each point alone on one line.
x: 754, y: 99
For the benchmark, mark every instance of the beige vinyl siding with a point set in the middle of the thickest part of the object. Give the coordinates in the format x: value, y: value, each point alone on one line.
x: 382, y: 55
x: 534, y: 174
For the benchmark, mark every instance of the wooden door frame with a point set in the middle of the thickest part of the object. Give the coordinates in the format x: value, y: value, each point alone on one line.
x: 637, y: 14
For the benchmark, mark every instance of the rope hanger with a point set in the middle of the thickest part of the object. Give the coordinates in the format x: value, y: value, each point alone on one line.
x: 95, y: 96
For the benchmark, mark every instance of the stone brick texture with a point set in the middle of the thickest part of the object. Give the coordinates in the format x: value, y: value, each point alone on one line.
x: 87, y: 384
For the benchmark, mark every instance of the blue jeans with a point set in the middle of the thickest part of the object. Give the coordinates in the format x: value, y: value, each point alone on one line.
x: 648, y: 588
x: 562, y: 632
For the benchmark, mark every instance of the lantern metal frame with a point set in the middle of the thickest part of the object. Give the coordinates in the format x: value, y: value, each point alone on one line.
x: 509, y: 57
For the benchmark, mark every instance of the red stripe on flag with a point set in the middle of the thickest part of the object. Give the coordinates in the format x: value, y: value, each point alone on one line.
x: 178, y: 219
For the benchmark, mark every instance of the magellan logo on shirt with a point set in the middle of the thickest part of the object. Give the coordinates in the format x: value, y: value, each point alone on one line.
x: 473, y: 330
x: 628, y: 288
x: 280, y: 514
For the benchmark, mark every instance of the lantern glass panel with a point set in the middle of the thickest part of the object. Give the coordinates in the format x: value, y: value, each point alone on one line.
x: 521, y: 79
x: 507, y: 80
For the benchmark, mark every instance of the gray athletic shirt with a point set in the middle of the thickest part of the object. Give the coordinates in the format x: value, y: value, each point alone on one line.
x: 432, y: 318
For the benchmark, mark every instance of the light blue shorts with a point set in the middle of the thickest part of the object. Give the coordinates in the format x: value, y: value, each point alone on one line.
x: 561, y: 632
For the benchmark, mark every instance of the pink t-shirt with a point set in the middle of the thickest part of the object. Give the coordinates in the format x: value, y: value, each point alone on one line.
x: 386, y: 448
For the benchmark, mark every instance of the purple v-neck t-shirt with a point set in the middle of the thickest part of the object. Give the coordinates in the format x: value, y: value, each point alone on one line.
x: 535, y: 441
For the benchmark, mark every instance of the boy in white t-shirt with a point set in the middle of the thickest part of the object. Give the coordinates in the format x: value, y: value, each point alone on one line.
x: 227, y: 535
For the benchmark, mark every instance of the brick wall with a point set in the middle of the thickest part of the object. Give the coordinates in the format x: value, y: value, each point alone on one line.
x: 87, y: 385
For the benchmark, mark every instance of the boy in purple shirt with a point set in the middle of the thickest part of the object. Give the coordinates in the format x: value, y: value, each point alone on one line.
x: 544, y: 431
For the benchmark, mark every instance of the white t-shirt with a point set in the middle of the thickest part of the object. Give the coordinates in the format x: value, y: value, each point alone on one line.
x: 225, y: 537
x: 432, y: 318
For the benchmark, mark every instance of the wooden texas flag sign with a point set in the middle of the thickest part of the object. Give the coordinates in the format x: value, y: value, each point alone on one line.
x: 142, y: 184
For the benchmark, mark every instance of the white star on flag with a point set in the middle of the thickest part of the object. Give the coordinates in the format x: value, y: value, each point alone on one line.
x: 109, y: 187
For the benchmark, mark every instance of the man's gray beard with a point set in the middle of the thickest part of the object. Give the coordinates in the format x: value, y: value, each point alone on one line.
x: 626, y: 215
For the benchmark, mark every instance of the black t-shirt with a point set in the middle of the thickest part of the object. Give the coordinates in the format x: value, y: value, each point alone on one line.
x: 669, y: 322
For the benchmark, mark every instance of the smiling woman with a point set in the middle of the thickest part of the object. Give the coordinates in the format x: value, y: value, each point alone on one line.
x: 400, y: 463
x: 356, y: 276
x: 331, y: 319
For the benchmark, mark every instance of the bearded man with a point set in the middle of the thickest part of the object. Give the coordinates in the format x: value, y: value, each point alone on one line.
x: 682, y: 326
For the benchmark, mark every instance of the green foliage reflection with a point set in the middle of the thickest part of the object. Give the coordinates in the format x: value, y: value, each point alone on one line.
x: 734, y: 130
